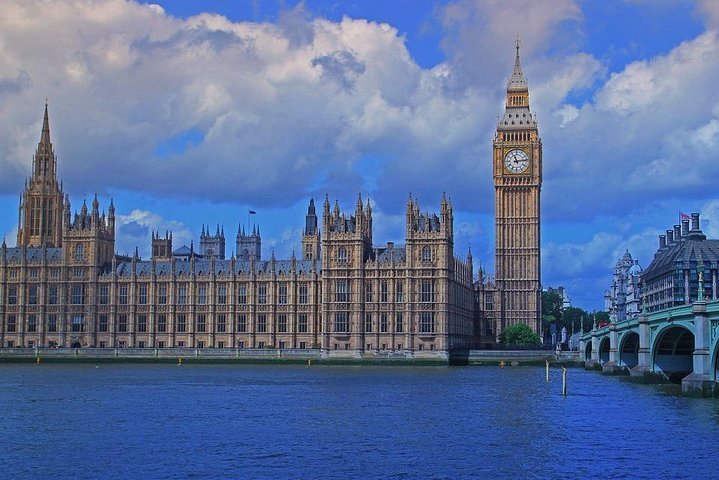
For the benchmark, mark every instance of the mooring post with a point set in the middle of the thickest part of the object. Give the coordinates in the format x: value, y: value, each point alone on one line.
x: 564, y: 381
x: 547, y: 369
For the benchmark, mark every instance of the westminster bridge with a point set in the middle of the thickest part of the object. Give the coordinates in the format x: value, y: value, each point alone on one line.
x: 679, y: 344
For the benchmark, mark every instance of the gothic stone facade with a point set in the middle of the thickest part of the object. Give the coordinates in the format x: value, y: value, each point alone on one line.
x: 517, y: 163
x: 63, y: 284
x: 622, y: 300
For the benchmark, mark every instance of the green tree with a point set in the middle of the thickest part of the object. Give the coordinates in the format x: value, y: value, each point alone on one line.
x: 551, y: 310
x: 519, y: 334
x: 551, y: 305
x: 601, y: 317
x: 573, y: 316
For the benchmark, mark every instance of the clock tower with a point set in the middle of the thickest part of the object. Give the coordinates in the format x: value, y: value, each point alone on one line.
x: 517, y: 172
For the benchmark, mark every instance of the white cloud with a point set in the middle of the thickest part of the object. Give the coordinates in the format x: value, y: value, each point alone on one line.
x: 710, y: 219
x: 649, y: 132
x: 710, y: 10
x: 135, y: 230
x: 279, y: 109
x: 10, y: 238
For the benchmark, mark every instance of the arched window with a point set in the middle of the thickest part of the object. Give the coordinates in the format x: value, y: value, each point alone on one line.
x: 426, y: 254
x: 342, y: 254
x: 79, y: 252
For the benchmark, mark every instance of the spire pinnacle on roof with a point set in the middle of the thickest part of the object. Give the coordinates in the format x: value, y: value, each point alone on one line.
x: 517, y: 80
x: 45, y: 136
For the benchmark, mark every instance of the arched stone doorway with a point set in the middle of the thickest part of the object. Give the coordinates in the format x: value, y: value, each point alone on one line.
x: 629, y: 350
x: 604, y: 350
x: 673, y: 353
x: 588, y: 351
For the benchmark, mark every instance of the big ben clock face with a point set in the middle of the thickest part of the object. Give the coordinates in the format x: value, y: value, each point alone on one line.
x: 516, y: 161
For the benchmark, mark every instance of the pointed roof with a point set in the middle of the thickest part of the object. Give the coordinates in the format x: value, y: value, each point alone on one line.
x: 45, y: 136
x: 517, y: 82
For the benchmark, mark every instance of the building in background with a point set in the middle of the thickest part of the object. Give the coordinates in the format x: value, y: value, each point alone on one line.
x: 684, y: 267
x: 563, y: 295
x: 623, y: 298
x: 486, y: 312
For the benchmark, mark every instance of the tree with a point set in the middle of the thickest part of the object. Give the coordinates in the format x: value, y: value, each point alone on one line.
x: 572, y: 316
x: 601, y: 317
x: 551, y: 310
x: 551, y: 305
x: 519, y: 334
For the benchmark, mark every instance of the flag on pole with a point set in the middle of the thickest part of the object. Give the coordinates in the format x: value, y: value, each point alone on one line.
x: 684, y: 216
x: 252, y: 212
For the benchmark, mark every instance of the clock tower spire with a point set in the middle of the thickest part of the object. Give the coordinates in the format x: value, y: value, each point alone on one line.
x: 517, y: 172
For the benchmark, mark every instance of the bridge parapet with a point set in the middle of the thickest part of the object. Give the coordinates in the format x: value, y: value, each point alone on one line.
x: 662, y: 344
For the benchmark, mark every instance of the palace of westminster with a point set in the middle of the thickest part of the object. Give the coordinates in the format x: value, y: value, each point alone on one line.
x: 64, y: 285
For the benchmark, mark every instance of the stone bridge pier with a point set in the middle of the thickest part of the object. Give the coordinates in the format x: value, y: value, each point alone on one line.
x: 699, y: 381
x: 612, y: 365
x: 643, y: 366
x: 679, y: 344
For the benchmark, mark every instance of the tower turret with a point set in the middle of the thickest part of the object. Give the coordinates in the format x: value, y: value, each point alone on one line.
x: 249, y: 245
x: 311, y: 234
x: 162, y: 246
x: 41, y: 204
x: 212, y: 245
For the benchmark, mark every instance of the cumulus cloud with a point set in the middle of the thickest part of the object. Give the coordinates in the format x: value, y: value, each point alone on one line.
x: 710, y: 219
x: 263, y: 113
x: 710, y: 11
x: 278, y: 109
x: 586, y: 267
x: 135, y: 230
x: 648, y: 132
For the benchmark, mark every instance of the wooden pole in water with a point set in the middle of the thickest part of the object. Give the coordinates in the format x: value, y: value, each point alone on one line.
x: 547, y: 362
x: 564, y: 381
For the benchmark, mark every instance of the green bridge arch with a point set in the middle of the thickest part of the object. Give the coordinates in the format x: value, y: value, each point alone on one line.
x: 679, y: 344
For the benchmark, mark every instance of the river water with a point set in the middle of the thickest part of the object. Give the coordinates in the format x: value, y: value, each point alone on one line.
x: 166, y: 421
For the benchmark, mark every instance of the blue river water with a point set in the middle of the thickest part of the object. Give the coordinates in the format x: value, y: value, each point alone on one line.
x: 166, y: 421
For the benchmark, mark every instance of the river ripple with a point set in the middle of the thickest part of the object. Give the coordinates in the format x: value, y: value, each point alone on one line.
x: 162, y: 421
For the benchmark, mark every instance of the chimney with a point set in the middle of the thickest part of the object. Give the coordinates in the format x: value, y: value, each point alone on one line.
x: 662, y: 242
x: 670, y: 237
x: 677, y: 233
x: 695, y: 222
x: 685, y: 227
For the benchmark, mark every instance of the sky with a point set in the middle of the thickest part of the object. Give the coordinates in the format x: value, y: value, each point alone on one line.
x: 194, y: 112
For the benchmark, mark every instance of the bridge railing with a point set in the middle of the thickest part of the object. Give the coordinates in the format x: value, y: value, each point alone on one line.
x: 679, y: 311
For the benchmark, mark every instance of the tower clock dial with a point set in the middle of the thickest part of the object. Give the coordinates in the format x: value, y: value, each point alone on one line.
x: 516, y: 161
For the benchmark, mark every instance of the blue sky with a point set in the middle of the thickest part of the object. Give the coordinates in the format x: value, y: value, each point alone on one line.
x: 194, y: 112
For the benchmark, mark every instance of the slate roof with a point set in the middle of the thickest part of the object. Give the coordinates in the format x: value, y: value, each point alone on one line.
x: 33, y: 255
x: 183, y: 250
x: 681, y: 255
x: 204, y: 267
x: 385, y: 255
x: 428, y: 223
